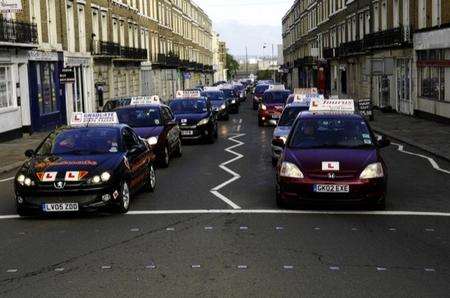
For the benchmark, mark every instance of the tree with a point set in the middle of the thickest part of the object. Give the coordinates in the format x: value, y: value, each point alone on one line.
x: 232, y: 66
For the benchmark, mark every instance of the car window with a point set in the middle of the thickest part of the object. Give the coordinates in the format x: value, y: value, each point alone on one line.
x: 81, y: 141
x: 289, y: 115
x: 166, y: 115
x: 129, y: 139
x: 331, y: 133
x: 189, y: 106
x: 275, y: 97
x: 140, y: 117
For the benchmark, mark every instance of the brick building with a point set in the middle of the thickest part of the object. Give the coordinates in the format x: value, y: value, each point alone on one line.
x: 372, y: 48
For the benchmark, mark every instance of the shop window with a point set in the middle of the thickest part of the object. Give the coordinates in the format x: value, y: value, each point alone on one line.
x: 6, y: 96
x: 431, y: 72
x: 46, y: 90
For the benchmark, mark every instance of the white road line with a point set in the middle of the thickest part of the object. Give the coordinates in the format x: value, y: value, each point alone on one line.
x: 272, y: 211
x: 433, y: 163
x: 6, y: 179
x: 236, y: 176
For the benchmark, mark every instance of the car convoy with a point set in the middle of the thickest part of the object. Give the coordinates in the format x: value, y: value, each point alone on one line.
x: 324, y: 151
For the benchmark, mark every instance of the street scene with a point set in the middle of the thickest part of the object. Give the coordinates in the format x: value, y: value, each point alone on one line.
x: 191, y: 149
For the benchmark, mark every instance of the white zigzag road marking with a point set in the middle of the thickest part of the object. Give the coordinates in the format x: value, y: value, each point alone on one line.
x: 433, y: 163
x: 236, y: 176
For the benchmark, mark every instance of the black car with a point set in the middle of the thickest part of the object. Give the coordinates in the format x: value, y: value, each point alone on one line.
x: 230, y: 97
x: 218, y: 102
x: 195, y: 118
x: 156, y: 124
x: 84, y: 168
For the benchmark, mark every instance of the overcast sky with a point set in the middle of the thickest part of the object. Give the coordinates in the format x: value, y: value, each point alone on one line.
x: 250, y: 23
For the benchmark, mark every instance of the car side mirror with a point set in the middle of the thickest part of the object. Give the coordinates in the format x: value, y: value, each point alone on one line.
x: 383, y: 142
x: 171, y: 122
x: 29, y: 153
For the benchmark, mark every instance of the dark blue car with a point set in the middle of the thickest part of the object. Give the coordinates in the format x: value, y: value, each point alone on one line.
x: 195, y: 118
x: 218, y: 102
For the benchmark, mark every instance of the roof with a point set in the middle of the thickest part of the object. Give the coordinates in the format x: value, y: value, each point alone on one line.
x: 155, y: 105
x: 298, y: 104
x: 118, y: 126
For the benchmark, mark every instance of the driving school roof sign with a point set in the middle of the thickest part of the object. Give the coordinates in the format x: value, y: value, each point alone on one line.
x: 188, y: 94
x: 7, y: 6
x: 332, y: 105
x: 94, y: 118
x: 276, y: 87
x: 145, y: 100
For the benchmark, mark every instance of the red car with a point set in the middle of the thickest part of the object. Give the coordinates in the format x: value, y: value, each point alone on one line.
x: 271, y: 106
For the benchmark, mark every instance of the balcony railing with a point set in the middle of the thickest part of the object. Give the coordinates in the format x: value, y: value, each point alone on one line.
x: 18, y: 32
x: 350, y: 48
x: 389, y: 38
x: 104, y: 48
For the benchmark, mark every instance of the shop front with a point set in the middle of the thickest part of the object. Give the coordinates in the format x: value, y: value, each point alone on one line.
x: 47, y: 100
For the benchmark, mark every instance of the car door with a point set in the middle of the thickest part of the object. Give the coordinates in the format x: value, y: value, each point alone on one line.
x: 168, y: 128
x: 136, y: 156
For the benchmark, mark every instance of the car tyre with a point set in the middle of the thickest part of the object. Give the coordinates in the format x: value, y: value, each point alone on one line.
x: 255, y: 106
x: 280, y: 203
x: 179, y: 150
x: 151, y: 182
x: 165, y: 159
x: 22, y: 211
x: 260, y: 123
x: 380, y: 205
x: 274, y: 161
x: 226, y: 117
x: 125, y: 198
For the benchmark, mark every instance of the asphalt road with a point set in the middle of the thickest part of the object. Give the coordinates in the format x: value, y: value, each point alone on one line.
x: 202, y: 250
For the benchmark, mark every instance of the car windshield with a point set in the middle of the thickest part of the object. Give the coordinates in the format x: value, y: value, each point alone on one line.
x: 81, y: 141
x: 331, y: 133
x: 189, y: 106
x: 228, y: 93
x: 275, y: 97
x: 214, y: 95
x: 140, y: 117
x: 289, y: 115
x: 261, y: 88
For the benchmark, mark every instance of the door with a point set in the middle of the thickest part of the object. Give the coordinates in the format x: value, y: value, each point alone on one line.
x: 137, y: 158
x: 404, y: 104
x: 170, y: 128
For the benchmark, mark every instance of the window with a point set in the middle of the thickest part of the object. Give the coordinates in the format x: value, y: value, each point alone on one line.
x: 46, y: 87
x: 431, y: 73
x: 70, y: 27
x: 6, y: 96
x: 51, y: 19
x: 104, y: 27
x: 81, y: 28
x: 115, y: 29
x: 396, y: 14
x: 376, y: 18
x: 95, y: 24
x: 384, y: 15
x: 436, y: 13
x: 422, y: 6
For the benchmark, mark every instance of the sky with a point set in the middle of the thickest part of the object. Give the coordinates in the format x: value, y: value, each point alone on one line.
x: 247, y: 23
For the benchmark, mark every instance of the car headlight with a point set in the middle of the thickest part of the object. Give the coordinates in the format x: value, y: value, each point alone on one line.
x: 203, y: 121
x: 105, y: 176
x: 24, y: 180
x: 290, y: 170
x: 233, y: 101
x: 152, y: 141
x: 263, y: 107
x: 283, y: 138
x: 374, y: 170
x: 223, y: 107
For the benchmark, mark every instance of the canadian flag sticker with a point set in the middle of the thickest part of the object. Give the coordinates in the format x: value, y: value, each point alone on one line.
x: 72, y: 176
x: 330, y: 166
x: 49, y: 176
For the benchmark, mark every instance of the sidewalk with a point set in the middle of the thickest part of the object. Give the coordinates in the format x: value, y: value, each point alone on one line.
x: 12, y: 153
x: 427, y: 135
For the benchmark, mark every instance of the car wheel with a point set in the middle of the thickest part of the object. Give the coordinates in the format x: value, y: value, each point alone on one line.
x: 274, y: 161
x: 124, y: 204
x: 255, y: 106
x: 165, y: 159
x: 179, y: 150
x: 151, y: 179
x: 260, y: 123
x: 22, y: 211
x: 280, y: 202
x: 226, y: 117
x: 380, y: 205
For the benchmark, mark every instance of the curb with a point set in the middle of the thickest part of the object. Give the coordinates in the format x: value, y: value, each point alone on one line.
x: 412, y: 143
x: 11, y: 167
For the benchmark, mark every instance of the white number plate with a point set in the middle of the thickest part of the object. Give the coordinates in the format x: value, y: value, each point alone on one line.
x: 331, y: 188
x: 187, y: 132
x: 60, y: 207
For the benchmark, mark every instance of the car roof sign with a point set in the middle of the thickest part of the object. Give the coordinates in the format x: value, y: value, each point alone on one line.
x: 332, y: 105
x: 145, y: 100
x: 277, y: 87
x: 80, y: 119
x: 188, y: 94
x: 305, y: 91
x: 209, y: 89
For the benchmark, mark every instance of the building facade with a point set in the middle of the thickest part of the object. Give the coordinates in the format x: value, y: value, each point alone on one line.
x: 63, y: 56
x: 376, y: 49
x: 219, y: 50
